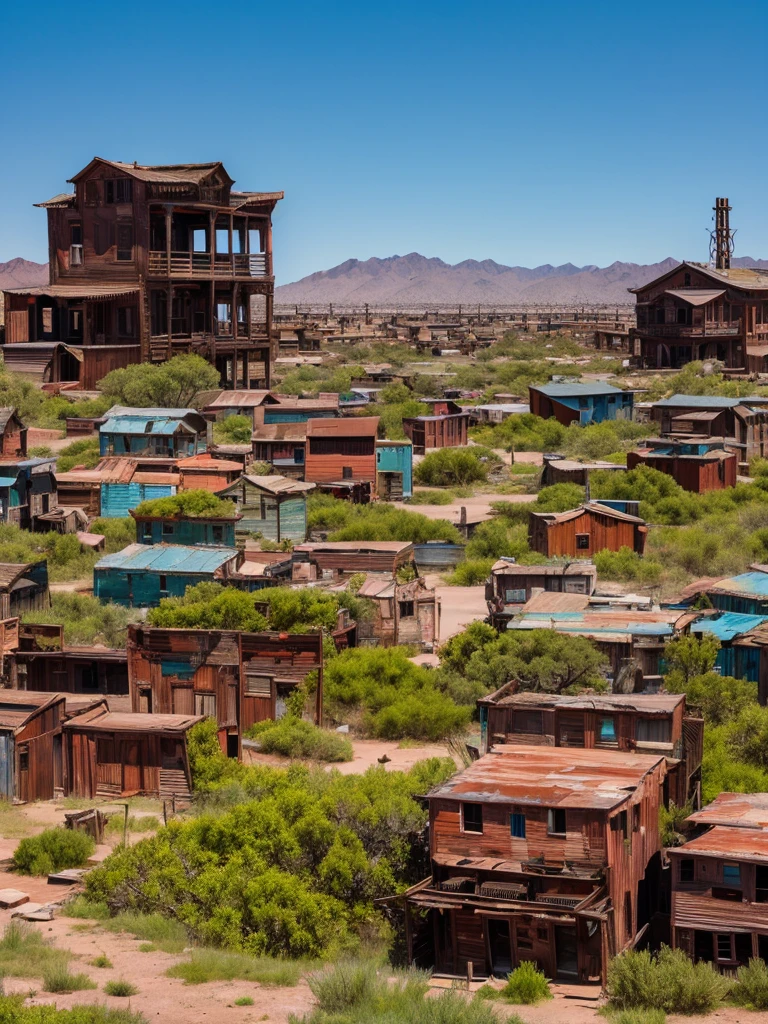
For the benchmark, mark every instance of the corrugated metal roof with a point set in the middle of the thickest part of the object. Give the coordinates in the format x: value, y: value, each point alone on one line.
x: 356, y: 545
x: 606, y: 625
x: 272, y: 484
x: 242, y: 399
x: 746, y: 584
x: 745, y: 810
x: 704, y: 402
x: 576, y: 568
x: 10, y: 572
x: 550, y: 777
x: 728, y: 843
x: 327, y: 401
x: 281, y: 431
x: 115, y: 721
x: 592, y: 506
x: 550, y: 601
x: 727, y: 625
x: 576, y: 389
x: 355, y: 426
x: 140, y: 425
x: 175, y: 558
x: 645, y: 703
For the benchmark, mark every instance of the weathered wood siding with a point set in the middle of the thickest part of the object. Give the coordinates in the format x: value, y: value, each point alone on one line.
x: 603, y: 533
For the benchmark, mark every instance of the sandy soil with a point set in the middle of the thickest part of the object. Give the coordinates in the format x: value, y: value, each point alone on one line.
x: 366, y: 754
x: 458, y: 605
x: 477, y: 505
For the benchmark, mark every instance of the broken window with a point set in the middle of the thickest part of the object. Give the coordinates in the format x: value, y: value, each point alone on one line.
x: 406, y: 609
x: 346, y: 473
x: 724, y: 946
x: 118, y: 190
x: 125, y: 321
x: 205, y: 704
x: 75, y: 323
x: 653, y: 730
x: 125, y: 240
x: 76, y: 244
x: 686, y: 869
x: 528, y: 722
x: 556, y: 822
x: 472, y: 817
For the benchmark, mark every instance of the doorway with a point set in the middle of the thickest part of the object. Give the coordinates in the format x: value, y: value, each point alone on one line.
x: 500, y: 947
x: 566, y: 957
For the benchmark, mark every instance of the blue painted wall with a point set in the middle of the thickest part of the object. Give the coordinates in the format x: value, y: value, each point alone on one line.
x: 141, y: 588
x: 186, y: 531
x: 393, y: 457
x: 274, y: 415
x: 597, y: 408
x: 118, y: 499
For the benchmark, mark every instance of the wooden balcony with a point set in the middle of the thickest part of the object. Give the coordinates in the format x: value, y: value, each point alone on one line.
x: 711, y: 329
x: 227, y: 266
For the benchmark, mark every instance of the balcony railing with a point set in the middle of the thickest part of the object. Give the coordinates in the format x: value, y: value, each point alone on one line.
x: 206, y: 264
x: 711, y: 329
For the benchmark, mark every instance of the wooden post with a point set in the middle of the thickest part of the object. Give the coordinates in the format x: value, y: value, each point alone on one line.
x: 125, y: 827
x: 470, y: 973
x: 168, y: 232
x: 169, y: 317
x: 230, y: 228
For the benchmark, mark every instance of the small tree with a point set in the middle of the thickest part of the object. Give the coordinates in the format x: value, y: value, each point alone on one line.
x: 171, y: 385
x: 689, y: 656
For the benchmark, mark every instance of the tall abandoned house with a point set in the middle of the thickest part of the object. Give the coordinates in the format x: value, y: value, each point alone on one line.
x: 146, y: 263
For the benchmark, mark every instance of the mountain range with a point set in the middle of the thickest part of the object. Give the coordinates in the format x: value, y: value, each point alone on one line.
x: 416, y: 279
x: 21, y: 273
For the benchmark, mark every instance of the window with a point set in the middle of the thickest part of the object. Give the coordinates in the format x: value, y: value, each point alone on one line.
x: 660, y: 317
x: 76, y: 234
x: 258, y: 686
x: 125, y: 321
x: 527, y: 722
x: 724, y: 946
x: 653, y: 730
x: 406, y: 609
x: 341, y: 446
x: 163, y: 584
x: 731, y: 874
x: 346, y: 473
x: 168, y: 529
x: 514, y: 596
x: 636, y: 818
x: 125, y: 240
x: 472, y: 817
x: 686, y: 869
x: 582, y: 541
x: 218, y: 534
x: 606, y: 730
x: 618, y: 823
x: 687, y: 281
x: 75, y: 323
x: 148, y: 533
x: 76, y: 245
x: 91, y: 193
x: 556, y: 822
x: 517, y: 826
x: 24, y: 759
x: 118, y: 190
x: 205, y: 704
x: 628, y: 929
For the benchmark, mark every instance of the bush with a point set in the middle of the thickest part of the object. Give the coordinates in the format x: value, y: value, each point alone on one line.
x: 383, y: 521
x: 244, y: 1001
x: 101, y: 961
x: 233, y: 430
x: 120, y: 987
x: 451, y: 467
x: 195, y: 504
x: 751, y: 988
x: 53, y: 850
x: 83, y: 453
x: 293, y: 737
x: 14, y: 1011
x: 171, y: 385
x: 24, y: 953
x: 526, y: 984
x: 58, y: 979
x: 667, y: 981
x: 206, y: 965
x: 470, y: 572
x: 86, y: 620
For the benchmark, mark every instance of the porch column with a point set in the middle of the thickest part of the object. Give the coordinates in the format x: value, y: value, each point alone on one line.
x: 231, y: 250
x: 168, y: 230
x: 268, y: 247
x: 169, y: 315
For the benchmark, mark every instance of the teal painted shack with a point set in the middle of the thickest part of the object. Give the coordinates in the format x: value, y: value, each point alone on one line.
x: 743, y: 649
x: 394, y: 470
x: 141, y: 575
x: 746, y: 594
x: 274, y: 506
x: 574, y: 402
x: 159, y: 433
x: 124, y: 484
x: 290, y: 409
x: 187, y: 530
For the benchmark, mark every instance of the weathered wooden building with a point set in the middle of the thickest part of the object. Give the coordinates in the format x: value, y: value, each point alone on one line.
x: 23, y: 588
x: 583, y: 531
x: 113, y: 754
x: 582, y: 403
x: 511, y: 585
x: 118, y: 484
x: 695, y: 311
x: 192, y: 531
x: 697, y: 464
x: 404, y: 613
x: 741, y: 420
x: 28, y: 490
x: 293, y: 409
x: 41, y: 661
x: 238, y: 403
x: 427, y: 433
x: 272, y: 665
x: 31, y: 766
x: 394, y: 470
x: 657, y: 723
x: 205, y: 473
x: 283, y: 445
x: 161, y: 433
x: 13, y: 435
x: 148, y: 262
x: 335, y: 559
x: 141, y: 575
x: 274, y: 506
x: 539, y: 854
x: 341, y: 449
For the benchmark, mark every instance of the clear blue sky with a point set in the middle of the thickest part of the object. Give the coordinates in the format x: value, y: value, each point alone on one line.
x: 521, y: 132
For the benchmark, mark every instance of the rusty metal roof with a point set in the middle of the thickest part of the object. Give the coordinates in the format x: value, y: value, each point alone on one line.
x: 204, y: 461
x: 550, y: 777
x: 271, y: 484
x: 355, y: 426
x: 745, y: 810
x: 571, y: 568
x: 77, y: 290
x: 325, y: 401
x: 653, y: 704
x: 248, y: 399
x: 728, y: 843
x: 551, y: 601
x: 18, y: 706
x: 281, y: 431
x: 11, y: 572
x: 116, y: 721
x: 593, y: 506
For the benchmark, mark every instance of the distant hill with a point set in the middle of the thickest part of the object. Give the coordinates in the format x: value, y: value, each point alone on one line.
x: 20, y: 273
x: 415, y: 279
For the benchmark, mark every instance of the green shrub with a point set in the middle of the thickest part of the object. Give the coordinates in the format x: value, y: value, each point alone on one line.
x: 233, y: 430
x: 206, y: 965
x: 14, y: 1011
x: 174, y: 384
x: 83, y: 453
x: 195, y: 504
x: 667, y: 981
x: 24, y: 953
x: 293, y: 737
x: 120, y: 987
x: 40, y: 451
x: 635, y: 1016
x: 244, y: 1001
x: 101, y: 961
x: 53, y: 850
x: 470, y: 572
x: 346, y: 986
x: 450, y: 467
x: 526, y: 984
x: 59, y: 979
x: 751, y: 988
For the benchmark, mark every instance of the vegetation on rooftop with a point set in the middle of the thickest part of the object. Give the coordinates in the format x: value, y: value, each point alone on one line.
x: 196, y: 504
x: 378, y: 521
x: 86, y: 620
x: 233, y: 430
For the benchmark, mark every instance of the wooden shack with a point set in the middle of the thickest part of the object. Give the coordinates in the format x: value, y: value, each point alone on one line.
x: 31, y: 766
x: 335, y: 559
x: 698, y: 465
x: 539, y: 854
x: 13, y: 434
x: 741, y: 420
x: 427, y: 433
x: 153, y: 433
x: 141, y: 575
x: 272, y: 665
x: 111, y: 754
x: 205, y: 473
x: 282, y: 445
x: 404, y: 613
x: 583, y: 531
x: 238, y: 403
x: 653, y: 723
x: 571, y: 401
x: 44, y: 663
x: 23, y: 588
x: 274, y: 506
x: 342, y: 449
x: 510, y: 585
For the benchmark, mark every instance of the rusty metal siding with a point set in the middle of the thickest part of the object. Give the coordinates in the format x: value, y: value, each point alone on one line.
x: 604, y: 532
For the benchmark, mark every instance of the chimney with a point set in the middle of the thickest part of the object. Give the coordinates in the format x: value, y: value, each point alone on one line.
x: 721, y: 239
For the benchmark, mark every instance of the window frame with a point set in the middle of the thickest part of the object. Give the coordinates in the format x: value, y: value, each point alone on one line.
x: 580, y: 538
x: 553, y: 819
x: 730, y: 881
x: 517, y: 824
x: 474, y: 805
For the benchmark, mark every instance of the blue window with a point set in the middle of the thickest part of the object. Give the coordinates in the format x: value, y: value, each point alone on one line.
x: 517, y: 826
x: 731, y: 874
x: 606, y: 732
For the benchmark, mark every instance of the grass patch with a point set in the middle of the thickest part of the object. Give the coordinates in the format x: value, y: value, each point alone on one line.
x: 100, y: 961
x: 526, y: 985
x: 84, y: 908
x: 14, y: 824
x: 293, y: 737
x: 244, y: 1001
x: 164, y: 933
x: 120, y: 987
x: 52, y: 850
x: 136, y: 823
x: 59, y: 979
x: 218, y: 965
x: 431, y: 498
x: 634, y: 1016
x: 24, y: 953
x: 147, y: 947
x: 13, y: 1010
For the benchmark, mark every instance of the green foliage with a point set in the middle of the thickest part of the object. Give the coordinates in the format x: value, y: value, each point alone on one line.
x: 470, y: 572
x: 526, y: 984
x: 751, y: 988
x: 558, y: 498
x: 52, y: 850
x: 397, y: 698
x: 599, y: 440
x: 293, y: 737
x: 497, y: 539
x: 634, y: 1016
x: 120, y: 987
x: 542, y: 660
x: 522, y: 433
x: 383, y: 521
x: 24, y: 953
x: 626, y: 566
x: 58, y: 978
x: 163, y: 932
x: 197, y: 504
x: 14, y: 1011
x: 233, y: 430
x: 244, y: 1001
x: 672, y: 825
x: 209, y: 606
x: 451, y: 467
x: 171, y: 385
x: 101, y: 961
x: 391, y: 415
x: 39, y: 451
x: 286, y: 862
x: 719, y: 698
x: 18, y: 393
x: 431, y: 498
x: 84, y: 452
x: 117, y: 533
x: 667, y: 980
x: 206, y: 965
x: 86, y: 620
x: 688, y: 656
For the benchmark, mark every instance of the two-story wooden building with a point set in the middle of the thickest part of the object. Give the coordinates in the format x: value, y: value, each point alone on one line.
x: 147, y: 262
x: 583, y: 531
x: 342, y: 450
x: 652, y: 723
x: 539, y: 854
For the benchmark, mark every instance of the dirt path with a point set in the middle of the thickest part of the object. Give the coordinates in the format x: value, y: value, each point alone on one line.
x: 479, y: 505
x: 458, y: 606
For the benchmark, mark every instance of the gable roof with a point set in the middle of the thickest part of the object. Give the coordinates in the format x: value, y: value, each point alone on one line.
x: 271, y: 484
x: 593, y: 506
x: 744, y: 277
x: 248, y: 399
x: 191, y: 174
x: 355, y: 426
x: 124, y: 419
x: 576, y: 389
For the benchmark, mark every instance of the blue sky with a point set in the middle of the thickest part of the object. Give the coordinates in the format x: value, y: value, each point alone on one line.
x: 525, y: 133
